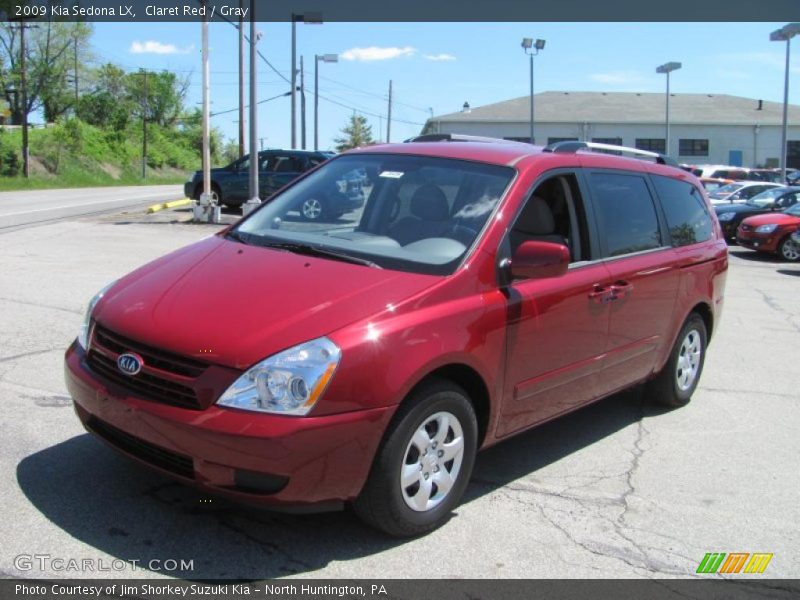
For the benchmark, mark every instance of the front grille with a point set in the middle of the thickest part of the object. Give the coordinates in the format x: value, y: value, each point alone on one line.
x: 745, y: 227
x: 144, y: 384
x: 158, y: 359
x: 165, y: 377
x: 179, y: 464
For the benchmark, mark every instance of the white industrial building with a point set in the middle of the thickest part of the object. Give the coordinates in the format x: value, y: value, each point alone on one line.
x: 704, y: 128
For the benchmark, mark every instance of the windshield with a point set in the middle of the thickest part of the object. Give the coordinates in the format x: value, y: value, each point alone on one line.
x: 728, y: 189
x: 794, y: 210
x: 409, y: 213
x: 767, y: 197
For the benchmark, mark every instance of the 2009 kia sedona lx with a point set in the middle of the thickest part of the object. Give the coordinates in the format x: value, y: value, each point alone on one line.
x: 482, y: 288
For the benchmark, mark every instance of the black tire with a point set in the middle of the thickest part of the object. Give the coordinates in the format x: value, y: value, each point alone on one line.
x: 382, y: 503
x: 788, y: 250
x: 670, y: 387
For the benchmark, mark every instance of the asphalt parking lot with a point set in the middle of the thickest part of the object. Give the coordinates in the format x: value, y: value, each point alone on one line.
x: 616, y: 490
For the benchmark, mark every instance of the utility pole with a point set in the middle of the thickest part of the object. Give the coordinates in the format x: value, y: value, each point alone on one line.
x: 75, y: 40
x: 389, y: 116
x: 254, y: 201
x: 144, y: 127
x: 24, y: 92
x: 302, y: 107
x: 241, y: 82
x: 294, y: 80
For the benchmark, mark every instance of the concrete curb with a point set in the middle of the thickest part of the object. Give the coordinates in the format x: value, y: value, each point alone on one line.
x: 167, y: 205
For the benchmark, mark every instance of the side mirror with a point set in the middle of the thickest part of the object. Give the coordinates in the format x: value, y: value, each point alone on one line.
x: 536, y: 260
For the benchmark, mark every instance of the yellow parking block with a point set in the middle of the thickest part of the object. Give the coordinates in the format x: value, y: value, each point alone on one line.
x: 167, y: 205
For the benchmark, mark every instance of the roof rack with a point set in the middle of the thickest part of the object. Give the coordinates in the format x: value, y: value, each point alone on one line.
x: 458, y: 137
x: 570, y: 147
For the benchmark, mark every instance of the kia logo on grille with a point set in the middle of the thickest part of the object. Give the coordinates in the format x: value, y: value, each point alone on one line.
x: 130, y: 363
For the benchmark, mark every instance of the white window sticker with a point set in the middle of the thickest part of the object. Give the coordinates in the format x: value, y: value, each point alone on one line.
x: 392, y: 174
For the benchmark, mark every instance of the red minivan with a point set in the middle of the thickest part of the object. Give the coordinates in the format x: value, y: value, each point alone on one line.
x: 483, y: 288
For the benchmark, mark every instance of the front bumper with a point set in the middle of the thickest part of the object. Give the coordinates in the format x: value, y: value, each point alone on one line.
x: 263, y: 459
x: 763, y: 242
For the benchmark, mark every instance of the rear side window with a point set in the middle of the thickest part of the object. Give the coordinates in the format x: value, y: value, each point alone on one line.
x: 625, y: 213
x: 687, y: 217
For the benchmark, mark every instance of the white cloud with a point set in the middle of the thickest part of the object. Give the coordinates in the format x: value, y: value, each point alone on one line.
x: 153, y: 47
x: 618, y: 77
x: 377, y: 53
x: 440, y: 57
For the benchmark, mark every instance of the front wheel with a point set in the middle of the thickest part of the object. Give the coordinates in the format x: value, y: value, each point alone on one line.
x: 788, y: 250
x: 424, y: 464
x: 677, y: 381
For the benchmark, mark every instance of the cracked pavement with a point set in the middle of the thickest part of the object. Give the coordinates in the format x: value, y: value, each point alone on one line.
x: 619, y: 489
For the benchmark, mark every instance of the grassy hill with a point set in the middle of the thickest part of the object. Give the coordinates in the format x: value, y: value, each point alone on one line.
x: 72, y: 153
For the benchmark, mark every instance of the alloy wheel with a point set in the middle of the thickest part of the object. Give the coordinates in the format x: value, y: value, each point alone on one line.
x: 312, y: 209
x: 790, y: 251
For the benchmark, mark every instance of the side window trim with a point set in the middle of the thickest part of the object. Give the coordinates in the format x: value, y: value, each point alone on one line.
x: 660, y: 219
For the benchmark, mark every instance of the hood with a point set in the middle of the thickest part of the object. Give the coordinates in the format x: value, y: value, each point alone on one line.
x: 738, y: 208
x: 199, y: 174
x: 233, y: 305
x: 778, y: 218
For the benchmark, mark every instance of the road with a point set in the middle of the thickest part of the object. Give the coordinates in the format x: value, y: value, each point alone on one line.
x: 619, y: 489
x: 35, y: 207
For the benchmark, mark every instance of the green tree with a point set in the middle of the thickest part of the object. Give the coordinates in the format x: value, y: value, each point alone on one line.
x: 357, y: 133
x: 51, y: 50
x: 107, y: 103
x: 160, y: 94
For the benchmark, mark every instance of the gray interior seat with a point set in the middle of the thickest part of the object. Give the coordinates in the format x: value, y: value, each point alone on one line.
x: 430, y: 216
x: 536, y: 223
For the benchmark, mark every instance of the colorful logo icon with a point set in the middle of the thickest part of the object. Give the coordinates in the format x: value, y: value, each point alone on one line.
x: 716, y: 562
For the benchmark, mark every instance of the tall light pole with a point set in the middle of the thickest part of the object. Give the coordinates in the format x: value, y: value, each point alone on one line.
x: 532, y: 48
x: 328, y: 58
x: 254, y: 201
x: 785, y: 34
x: 310, y: 18
x: 206, y: 208
x: 667, y: 68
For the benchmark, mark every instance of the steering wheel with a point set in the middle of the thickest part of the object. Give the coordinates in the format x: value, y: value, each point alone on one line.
x: 462, y: 233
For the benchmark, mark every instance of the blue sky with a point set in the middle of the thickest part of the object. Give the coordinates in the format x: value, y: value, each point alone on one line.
x: 441, y: 65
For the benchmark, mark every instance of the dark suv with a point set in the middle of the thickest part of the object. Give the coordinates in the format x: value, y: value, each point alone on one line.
x: 483, y: 288
x: 230, y: 185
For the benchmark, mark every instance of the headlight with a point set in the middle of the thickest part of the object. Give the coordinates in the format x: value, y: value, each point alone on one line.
x: 766, y: 228
x: 287, y: 383
x: 726, y: 216
x: 83, y: 334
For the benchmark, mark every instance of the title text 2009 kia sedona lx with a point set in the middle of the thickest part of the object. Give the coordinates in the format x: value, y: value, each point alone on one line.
x: 483, y: 287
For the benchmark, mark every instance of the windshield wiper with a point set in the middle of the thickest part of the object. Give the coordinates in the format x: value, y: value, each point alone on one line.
x: 237, y: 236
x: 310, y: 250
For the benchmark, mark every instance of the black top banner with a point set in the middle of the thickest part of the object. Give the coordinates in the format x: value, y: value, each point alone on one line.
x: 406, y: 11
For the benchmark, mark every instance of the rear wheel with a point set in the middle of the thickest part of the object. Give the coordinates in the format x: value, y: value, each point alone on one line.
x: 311, y: 209
x: 788, y: 250
x: 424, y: 464
x: 216, y: 194
x: 675, y: 384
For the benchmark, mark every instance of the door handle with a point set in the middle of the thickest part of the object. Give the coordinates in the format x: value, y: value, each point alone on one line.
x: 621, y: 289
x: 600, y: 294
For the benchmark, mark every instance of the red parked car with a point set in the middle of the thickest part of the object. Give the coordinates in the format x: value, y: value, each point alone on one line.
x: 772, y: 233
x: 482, y: 289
